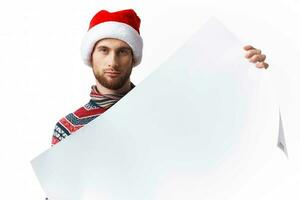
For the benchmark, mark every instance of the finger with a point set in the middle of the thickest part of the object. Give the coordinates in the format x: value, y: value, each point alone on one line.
x: 262, y: 65
x: 252, y: 52
x: 258, y: 58
x: 248, y: 47
x: 262, y: 58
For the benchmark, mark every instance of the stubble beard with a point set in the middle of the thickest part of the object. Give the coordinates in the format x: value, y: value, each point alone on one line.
x: 115, y: 83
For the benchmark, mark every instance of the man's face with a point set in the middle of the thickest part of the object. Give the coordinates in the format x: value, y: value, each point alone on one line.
x: 112, y: 62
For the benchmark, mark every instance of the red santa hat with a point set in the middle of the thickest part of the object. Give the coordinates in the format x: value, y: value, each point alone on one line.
x: 123, y: 25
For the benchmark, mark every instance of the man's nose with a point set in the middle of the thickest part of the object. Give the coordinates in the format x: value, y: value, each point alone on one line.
x: 113, y: 60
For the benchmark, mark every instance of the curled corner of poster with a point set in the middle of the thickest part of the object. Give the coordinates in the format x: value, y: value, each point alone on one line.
x: 281, y: 137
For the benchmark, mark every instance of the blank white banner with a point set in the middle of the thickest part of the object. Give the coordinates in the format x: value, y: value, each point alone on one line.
x: 201, y: 126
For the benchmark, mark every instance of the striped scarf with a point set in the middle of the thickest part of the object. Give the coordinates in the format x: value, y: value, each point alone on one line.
x: 97, y: 105
x: 104, y: 100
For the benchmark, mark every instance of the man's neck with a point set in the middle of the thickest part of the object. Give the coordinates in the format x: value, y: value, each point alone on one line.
x: 123, y: 90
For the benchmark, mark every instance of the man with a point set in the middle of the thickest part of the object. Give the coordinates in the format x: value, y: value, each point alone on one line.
x: 112, y: 47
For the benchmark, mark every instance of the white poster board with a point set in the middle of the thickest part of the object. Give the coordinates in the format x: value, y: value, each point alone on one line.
x: 199, y: 127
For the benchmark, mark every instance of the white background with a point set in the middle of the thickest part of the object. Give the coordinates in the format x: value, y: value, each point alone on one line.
x: 43, y: 78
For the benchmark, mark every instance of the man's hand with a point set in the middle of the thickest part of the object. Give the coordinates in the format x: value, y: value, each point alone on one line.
x: 254, y: 55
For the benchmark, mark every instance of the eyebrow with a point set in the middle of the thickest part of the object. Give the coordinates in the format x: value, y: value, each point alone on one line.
x: 126, y: 48
x: 103, y: 46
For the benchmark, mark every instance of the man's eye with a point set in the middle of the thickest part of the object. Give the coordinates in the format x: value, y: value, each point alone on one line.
x: 124, y: 52
x: 103, y: 50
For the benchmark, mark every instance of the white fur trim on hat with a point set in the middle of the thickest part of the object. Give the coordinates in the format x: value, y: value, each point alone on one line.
x: 112, y: 29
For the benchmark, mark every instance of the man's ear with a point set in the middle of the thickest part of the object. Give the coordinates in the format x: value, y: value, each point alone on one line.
x: 91, y: 58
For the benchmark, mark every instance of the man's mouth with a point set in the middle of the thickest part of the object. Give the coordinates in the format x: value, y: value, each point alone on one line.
x: 112, y: 74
